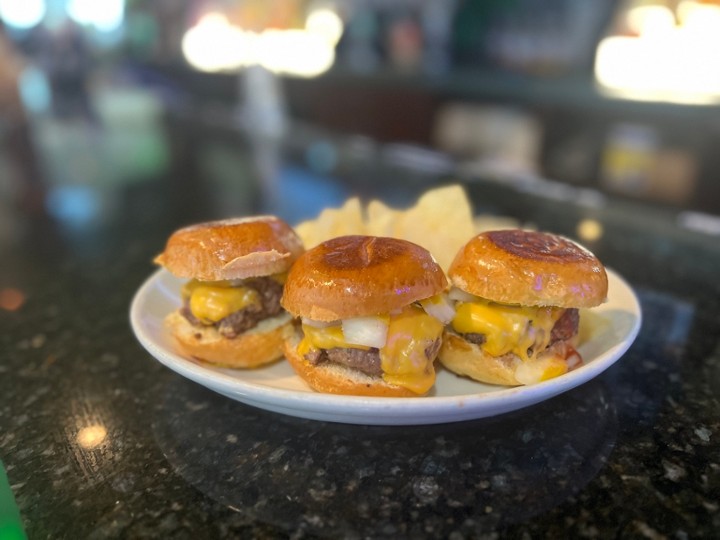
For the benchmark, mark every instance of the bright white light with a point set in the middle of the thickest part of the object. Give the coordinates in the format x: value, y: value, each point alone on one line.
x: 663, y: 62
x: 22, y: 14
x: 105, y: 15
x: 214, y: 44
x: 326, y: 23
x: 691, y: 13
x: 645, y: 20
x: 700, y: 18
x: 295, y: 52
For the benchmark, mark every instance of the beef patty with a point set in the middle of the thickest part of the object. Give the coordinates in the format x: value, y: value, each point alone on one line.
x: 365, y: 360
x: 565, y: 328
x: 269, y: 290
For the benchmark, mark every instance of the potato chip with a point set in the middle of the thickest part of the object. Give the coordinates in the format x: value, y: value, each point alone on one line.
x: 381, y: 219
x: 333, y: 222
x: 494, y: 223
x: 441, y: 222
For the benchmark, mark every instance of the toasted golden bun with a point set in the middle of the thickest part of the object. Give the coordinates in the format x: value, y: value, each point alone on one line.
x: 468, y: 359
x: 231, y: 249
x: 530, y: 269
x: 353, y: 276
x: 336, y: 379
x: 256, y: 347
x: 465, y: 358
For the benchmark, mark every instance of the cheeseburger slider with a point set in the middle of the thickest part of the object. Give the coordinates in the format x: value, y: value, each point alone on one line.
x: 372, y: 316
x: 231, y: 314
x: 516, y: 296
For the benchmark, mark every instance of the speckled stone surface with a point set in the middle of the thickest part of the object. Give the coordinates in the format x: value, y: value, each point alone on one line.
x: 101, y: 441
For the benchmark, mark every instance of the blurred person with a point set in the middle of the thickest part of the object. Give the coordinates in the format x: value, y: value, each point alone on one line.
x: 66, y: 60
x: 10, y: 68
x: 21, y: 190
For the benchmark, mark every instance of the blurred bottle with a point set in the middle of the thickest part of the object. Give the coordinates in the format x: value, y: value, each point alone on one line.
x: 404, y: 42
x: 263, y: 117
x: 437, y: 20
x: 360, y: 41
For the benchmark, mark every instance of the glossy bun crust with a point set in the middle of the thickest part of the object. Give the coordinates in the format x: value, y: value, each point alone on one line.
x: 231, y: 249
x: 256, y: 347
x: 354, y: 276
x: 530, y: 269
x: 336, y: 379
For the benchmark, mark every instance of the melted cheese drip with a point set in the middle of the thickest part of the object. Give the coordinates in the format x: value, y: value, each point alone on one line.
x: 211, y: 301
x: 541, y: 370
x: 402, y: 359
x: 328, y: 337
x: 506, y: 328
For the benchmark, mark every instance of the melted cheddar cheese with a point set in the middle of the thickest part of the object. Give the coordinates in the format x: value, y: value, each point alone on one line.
x: 524, y: 331
x: 211, y: 301
x: 541, y: 369
x: 328, y: 337
x: 402, y: 358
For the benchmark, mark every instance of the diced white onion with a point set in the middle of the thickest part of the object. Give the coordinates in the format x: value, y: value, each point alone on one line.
x: 317, y: 324
x: 458, y: 295
x: 529, y: 372
x: 574, y: 361
x: 440, y: 308
x: 367, y: 331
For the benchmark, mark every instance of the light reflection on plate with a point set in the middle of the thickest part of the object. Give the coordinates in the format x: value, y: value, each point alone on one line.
x: 610, y: 329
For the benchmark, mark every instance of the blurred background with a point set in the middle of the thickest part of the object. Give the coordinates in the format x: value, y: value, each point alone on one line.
x: 116, y: 110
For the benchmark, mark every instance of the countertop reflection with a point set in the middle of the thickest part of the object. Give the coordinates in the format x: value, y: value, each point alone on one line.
x: 358, y: 481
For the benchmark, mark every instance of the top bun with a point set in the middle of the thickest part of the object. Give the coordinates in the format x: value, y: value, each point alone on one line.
x: 231, y: 249
x: 530, y: 269
x: 355, y: 276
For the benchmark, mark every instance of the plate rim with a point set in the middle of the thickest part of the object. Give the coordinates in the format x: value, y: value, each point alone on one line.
x: 365, y: 410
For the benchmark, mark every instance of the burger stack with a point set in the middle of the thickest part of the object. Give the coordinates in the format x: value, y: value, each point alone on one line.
x: 372, y: 316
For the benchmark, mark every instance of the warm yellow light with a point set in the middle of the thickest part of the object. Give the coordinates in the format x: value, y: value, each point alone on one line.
x: 214, y: 44
x: 698, y: 16
x: 325, y: 23
x: 294, y: 52
x: 666, y: 61
x: 91, y: 436
x: 662, y: 69
x: 589, y: 230
x: 646, y: 20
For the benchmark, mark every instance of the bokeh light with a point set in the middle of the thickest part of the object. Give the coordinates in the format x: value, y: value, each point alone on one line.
x: 22, y: 14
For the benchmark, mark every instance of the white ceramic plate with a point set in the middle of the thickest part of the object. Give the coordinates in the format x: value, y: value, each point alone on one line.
x: 608, y: 329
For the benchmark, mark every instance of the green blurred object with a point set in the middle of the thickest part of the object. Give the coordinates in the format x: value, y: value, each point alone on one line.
x: 10, y: 523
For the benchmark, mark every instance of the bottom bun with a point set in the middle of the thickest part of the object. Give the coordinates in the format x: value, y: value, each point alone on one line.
x: 337, y: 379
x: 256, y: 347
x: 465, y: 358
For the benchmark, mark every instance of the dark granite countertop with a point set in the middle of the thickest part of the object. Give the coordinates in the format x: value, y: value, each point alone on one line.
x: 101, y: 441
